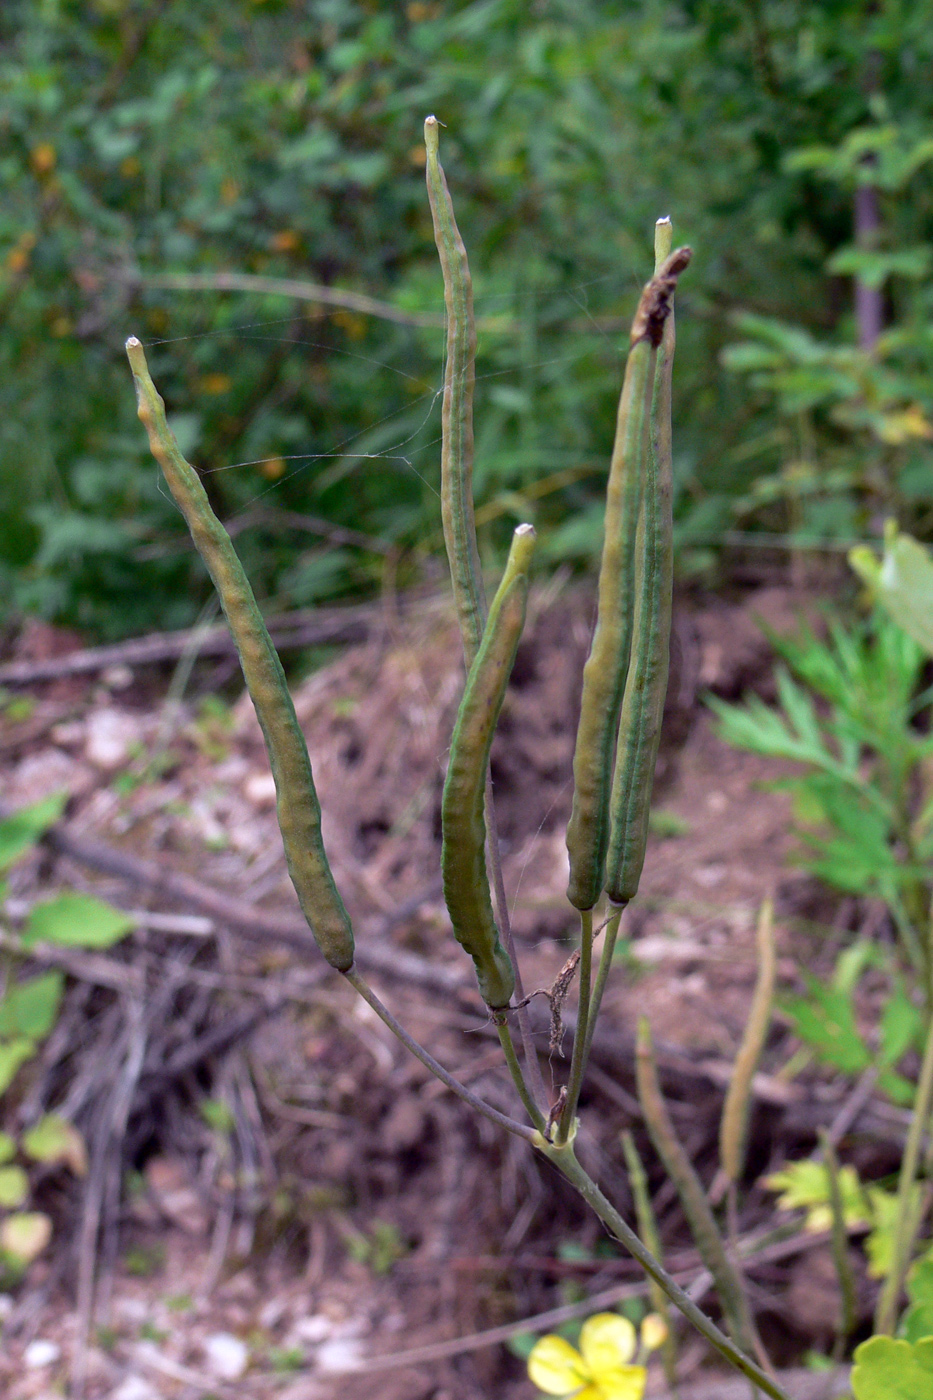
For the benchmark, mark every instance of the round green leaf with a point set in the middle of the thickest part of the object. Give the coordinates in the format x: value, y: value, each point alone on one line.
x: 14, y: 1187
x: 53, y: 1140
x: 76, y: 921
x: 886, y: 1369
x: 24, y: 1236
x: 21, y: 831
x: 30, y: 1008
x: 12, y: 1054
x: 7, y: 1148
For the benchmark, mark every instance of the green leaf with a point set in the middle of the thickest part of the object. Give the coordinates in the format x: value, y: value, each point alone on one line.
x: 874, y: 268
x: 903, y: 583
x: 54, y: 1140
x: 826, y: 1021
x: 886, y: 1369
x: 806, y: 1186
x: 14, y: 1187
x: 20, y: 832
x: 76, y: 921
x: 918, y: 1319
x: 30, y: 1008
x: 901, y: 1025
x: 13, y: 1053
x: 7, y: 1148
x: 885, y: 1211
x: 24, y: 1236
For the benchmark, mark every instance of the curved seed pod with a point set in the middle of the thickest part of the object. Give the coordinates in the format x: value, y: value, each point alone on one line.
x: 646, y: 682
x: 607, y: 665
x: 457, y: 417
x: 693, y: 1198
x: 735, y: 1109
x: 299, y: 812
x: 463, y: 859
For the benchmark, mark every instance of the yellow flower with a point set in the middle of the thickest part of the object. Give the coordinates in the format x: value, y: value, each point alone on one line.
x: 600, y: 1370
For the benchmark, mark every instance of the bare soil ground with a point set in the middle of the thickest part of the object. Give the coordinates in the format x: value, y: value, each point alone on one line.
x: 287, y: 1194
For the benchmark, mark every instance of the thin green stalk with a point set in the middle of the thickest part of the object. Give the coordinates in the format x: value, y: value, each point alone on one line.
x: 651, y: 1238
x: 564, y: 1159
x: 840, y: 1248
x: 690, y: 1190
x: 535, y: 1079
x: 385, y: 1015
x: 602, y: 975
x: 515, y: 1070
x: 907, y: 1222
x: 578, y: 1058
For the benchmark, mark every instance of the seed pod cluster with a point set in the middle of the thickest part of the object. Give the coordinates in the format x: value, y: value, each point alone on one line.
x: 625, y: 678
x: 463, y: 858
x: 298, y: 809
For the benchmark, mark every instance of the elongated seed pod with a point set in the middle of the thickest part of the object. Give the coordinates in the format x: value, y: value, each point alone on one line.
x: 696, y: 1207
x: 646, y: 682
x: 607, y: 665
x: 299, y: 812
x: 457, y: 415
x: 734, y: 1122
x: 463, y: 859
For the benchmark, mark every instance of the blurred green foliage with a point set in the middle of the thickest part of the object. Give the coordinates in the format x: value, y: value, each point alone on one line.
x: 282, y: 138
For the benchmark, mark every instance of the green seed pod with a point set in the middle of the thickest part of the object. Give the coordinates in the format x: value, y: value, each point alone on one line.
x: 693, y: 1199
x: 299, y: 812
x: 607, y: 665
x: 646, y: 682
x: 463, y: 859
x: 732, y: 1129
x: 457, y: 416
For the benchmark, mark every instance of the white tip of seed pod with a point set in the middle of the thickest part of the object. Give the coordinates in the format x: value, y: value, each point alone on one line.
x: 663, y: 240
x: 524, y: 529
x: 132, y: 343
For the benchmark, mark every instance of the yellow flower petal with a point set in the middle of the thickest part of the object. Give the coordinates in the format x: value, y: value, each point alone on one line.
x: 607, y: 1341
x: 557, y: 1368
x: 622, y: 1383
x: 653, y: 1332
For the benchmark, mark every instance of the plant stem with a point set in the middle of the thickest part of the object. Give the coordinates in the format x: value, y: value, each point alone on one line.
x: 602, y: 974
x: 385, y: 1015
x: 515, y: 1070
x: 533, y: 1065
x: 578, y: 1058
x: 651, y: 1239
x: 907, y: 1224
x: 566, y: 1163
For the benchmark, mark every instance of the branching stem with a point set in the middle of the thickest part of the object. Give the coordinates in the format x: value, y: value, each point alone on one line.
x: 385, y: 1015
x: 566, y: 1163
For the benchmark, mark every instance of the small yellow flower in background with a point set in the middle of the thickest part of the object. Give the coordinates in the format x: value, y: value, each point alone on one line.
x: 654, y: 1332
x: 601, y: 1369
